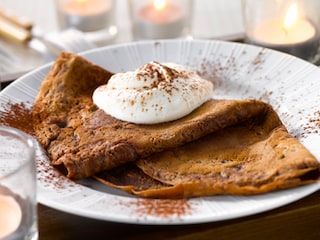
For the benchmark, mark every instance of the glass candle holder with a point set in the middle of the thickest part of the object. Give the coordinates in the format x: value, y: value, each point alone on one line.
x: 18, y: 203
x: 96, y: 18
x: 289, y: 26
x: 160, y: 19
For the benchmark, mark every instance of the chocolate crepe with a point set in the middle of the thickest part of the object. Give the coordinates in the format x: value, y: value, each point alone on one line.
x: 84, y: 140
x: 224, y: 146
x: 252, y: 157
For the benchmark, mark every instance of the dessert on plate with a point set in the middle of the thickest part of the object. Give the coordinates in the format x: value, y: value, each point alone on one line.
x: 157, y: 132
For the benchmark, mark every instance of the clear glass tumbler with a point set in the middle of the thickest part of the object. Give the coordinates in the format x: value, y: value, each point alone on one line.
x: 289, y: 26
x: 160, y: 19
x: 18, y: 204
x: 95, y: 18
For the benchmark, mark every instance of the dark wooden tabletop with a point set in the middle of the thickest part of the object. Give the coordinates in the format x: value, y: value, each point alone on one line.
x: 298, y: 220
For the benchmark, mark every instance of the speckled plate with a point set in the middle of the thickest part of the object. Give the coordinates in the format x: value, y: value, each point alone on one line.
x: 240, y: 71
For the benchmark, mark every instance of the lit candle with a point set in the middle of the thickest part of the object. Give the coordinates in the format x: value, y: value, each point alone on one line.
x: 160, y: 19
x: 293, y: 34
x: 10, y: 215
x: 86, y: 15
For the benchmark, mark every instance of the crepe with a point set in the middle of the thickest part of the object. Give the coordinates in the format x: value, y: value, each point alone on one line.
x: 222, y: 147
x: 83, y: 140
x: 252, y: 157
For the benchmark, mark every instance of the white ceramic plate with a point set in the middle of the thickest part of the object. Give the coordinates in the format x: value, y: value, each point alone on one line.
x: 239, y: 71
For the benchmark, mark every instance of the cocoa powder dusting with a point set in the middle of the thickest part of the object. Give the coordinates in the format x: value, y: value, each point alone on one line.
x: 259, y: 58
x: 17, y: 115
x: 313, y: 125
x: 164, y: 208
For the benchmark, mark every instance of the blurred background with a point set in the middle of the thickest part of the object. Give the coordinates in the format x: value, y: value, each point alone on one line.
x: 218, y: 19
x: 211, y: 18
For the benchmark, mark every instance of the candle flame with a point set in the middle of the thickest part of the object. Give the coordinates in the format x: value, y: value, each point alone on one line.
x: 291, y: 16
x: 159, y: 4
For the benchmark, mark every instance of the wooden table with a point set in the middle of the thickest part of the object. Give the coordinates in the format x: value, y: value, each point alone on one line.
x: 299, y: 220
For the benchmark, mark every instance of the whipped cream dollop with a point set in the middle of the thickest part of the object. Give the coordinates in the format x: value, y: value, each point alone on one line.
x: 153, y: 93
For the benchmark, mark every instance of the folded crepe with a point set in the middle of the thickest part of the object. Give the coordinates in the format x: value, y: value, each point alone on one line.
x: 153, y: 160
x: 251, y: 157
x: 83, y: 140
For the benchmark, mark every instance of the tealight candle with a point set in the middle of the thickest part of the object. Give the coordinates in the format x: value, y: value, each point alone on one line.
x: 10, y: 215
x: 86, y: 15
x: 160, y: 19
x: 18, y: 202
x: 291, y: 33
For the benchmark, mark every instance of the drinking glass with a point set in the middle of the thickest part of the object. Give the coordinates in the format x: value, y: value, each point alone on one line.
x: 160, y: 19
x: 18, y: 204
x: 289, y: 26
x: 95, y: 18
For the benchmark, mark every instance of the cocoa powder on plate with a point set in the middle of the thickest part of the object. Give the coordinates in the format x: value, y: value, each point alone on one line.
x: 163, y: 208
x: 17, y: 115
